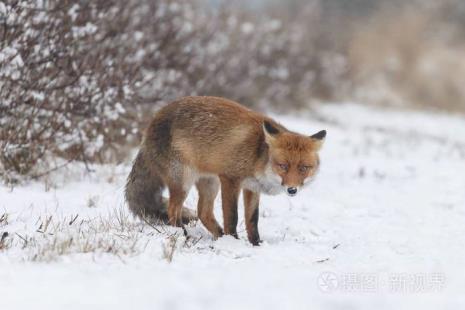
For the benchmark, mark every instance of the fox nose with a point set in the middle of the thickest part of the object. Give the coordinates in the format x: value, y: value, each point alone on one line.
x: 292, y: 191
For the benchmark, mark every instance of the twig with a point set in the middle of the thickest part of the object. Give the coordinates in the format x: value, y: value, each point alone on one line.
x: 150, y: 224
x: 73, y: 220
x: 39, y: 175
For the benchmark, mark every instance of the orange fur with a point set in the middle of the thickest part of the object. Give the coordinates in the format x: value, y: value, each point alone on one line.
x: 214, y: 142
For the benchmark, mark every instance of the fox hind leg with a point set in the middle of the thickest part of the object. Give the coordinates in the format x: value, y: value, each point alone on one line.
x: 175, y: 204
x: 208, y: 188
x: 179, y: 181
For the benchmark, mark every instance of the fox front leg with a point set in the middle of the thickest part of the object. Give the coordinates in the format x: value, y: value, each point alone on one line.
x: 251, y: 201
x: 230, y: 189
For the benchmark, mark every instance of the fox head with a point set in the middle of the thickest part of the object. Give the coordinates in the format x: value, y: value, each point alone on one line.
x: 293, y: 158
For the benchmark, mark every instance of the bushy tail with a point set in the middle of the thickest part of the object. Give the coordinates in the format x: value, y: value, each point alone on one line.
x: 144, y: 188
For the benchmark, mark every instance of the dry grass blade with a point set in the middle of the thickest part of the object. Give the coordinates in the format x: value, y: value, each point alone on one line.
x: 73, y: 219
x: 3, y: 243
x: 4, y: 219
x: 169, y: 247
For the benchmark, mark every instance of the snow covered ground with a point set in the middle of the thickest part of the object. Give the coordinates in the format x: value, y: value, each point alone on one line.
x: 383, y: 227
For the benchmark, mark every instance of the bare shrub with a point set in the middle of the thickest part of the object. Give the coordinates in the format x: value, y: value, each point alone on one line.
x: 64, y: 76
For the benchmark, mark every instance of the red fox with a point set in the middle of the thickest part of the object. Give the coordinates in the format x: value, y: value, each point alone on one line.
x: 217, y: 143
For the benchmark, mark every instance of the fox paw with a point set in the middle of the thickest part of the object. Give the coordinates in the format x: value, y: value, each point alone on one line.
x: 255, y: 240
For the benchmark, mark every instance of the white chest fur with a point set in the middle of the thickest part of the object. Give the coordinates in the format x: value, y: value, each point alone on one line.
x: 267, y: 183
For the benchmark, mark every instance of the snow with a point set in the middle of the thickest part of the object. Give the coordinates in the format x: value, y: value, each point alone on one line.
x: 86, y: 30
x: 3, y: 9
x: 13, y: 62
x: 247, y: 28
x: 383, y: 221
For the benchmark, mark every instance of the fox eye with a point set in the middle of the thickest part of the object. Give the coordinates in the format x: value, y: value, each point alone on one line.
x: 284, y: 167
x: 304, y: 169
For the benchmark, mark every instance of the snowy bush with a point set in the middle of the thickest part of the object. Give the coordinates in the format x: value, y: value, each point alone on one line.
x: 64, y: 77
x: 69, y: 75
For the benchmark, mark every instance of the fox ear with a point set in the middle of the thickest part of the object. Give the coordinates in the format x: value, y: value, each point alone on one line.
x: 270, y: 131
x: 319, y: 139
